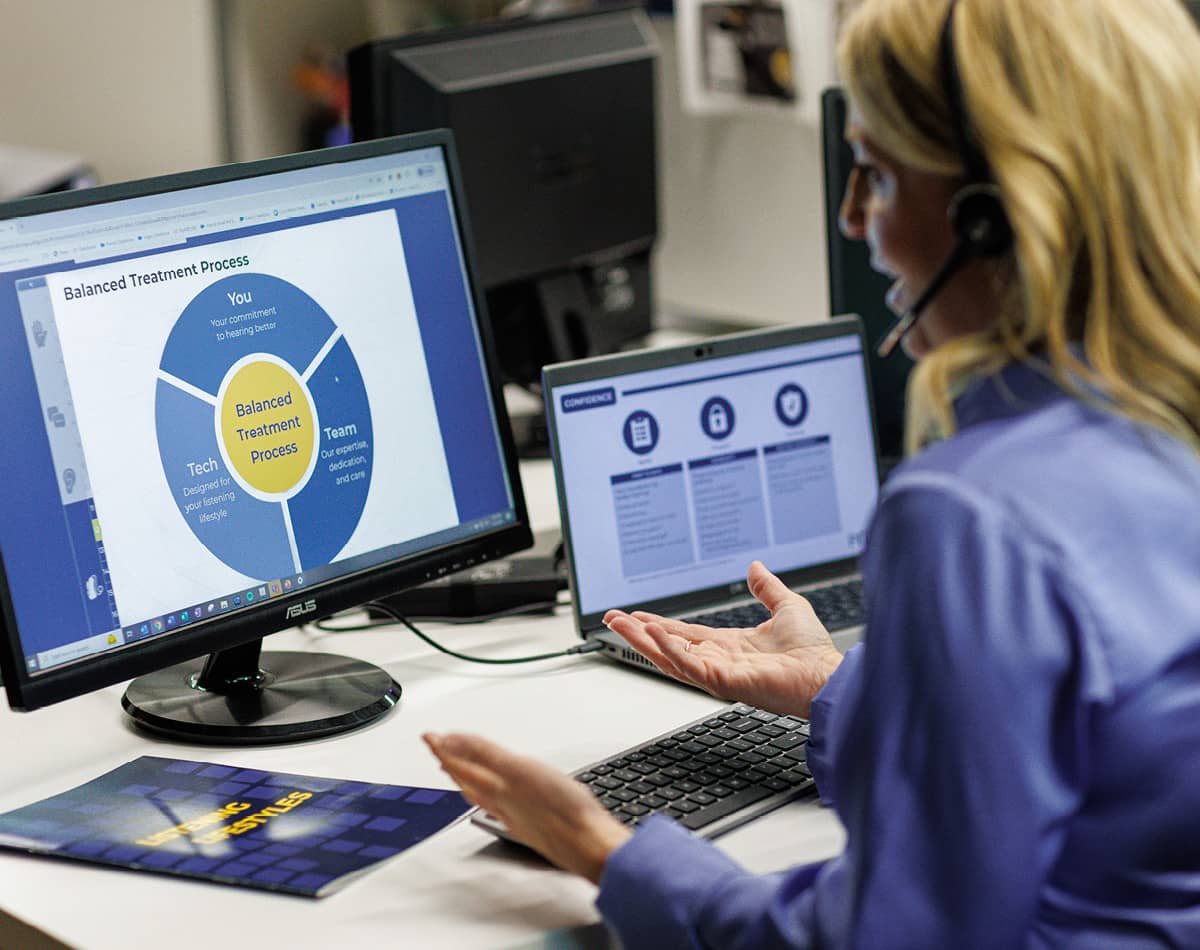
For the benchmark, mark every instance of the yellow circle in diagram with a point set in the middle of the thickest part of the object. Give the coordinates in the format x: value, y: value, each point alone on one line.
x: 268, y: 426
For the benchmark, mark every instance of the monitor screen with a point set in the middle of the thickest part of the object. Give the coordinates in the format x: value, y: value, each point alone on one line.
x: 235, y: 399
x: 555, y: 121
x: 854, y: 287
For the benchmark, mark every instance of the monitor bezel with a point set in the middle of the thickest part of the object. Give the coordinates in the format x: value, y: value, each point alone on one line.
x: 28, y: 692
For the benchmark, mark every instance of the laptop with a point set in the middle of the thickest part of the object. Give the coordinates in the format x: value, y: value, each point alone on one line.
x: 677, y: 467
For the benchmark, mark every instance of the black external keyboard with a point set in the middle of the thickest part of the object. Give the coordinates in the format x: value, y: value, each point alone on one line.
x: 839, y: 606
x: 710, y: 775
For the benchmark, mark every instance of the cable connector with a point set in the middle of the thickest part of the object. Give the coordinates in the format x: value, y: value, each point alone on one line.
x: 588, y: 646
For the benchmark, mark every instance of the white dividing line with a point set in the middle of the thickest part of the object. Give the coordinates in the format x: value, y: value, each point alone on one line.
x: 287, y: 523
x: 187, y: 387
x: 321, y: 354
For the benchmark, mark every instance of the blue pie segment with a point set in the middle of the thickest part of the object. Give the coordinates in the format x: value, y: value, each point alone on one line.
x: 326, y: 511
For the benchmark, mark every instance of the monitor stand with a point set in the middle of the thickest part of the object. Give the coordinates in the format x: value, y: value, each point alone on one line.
x: 244, y: 696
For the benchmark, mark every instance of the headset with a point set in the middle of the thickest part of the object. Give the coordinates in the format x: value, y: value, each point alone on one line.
x: 977, y: 216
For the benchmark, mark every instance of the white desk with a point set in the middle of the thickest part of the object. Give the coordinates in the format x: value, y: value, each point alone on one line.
x: 460, y: 888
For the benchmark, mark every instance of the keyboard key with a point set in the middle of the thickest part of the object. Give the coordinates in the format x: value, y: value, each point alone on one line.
x: 698, y: 818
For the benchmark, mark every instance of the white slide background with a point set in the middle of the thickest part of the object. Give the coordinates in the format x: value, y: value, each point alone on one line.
x: 354, y: 268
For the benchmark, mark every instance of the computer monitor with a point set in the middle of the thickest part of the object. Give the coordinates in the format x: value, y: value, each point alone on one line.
x: 234, y: 400
x: 854, y: 287
x: 555, y: 122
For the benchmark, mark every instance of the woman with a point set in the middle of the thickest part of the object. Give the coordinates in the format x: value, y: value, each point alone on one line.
x: 1014, y: 750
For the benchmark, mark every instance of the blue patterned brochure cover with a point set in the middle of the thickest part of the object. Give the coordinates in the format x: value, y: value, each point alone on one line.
x: 280, y: 832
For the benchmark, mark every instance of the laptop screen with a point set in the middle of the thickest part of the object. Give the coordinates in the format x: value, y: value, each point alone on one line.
x: 679, y: 467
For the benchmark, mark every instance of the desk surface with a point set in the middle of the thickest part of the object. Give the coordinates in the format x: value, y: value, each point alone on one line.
x: 460, y: 888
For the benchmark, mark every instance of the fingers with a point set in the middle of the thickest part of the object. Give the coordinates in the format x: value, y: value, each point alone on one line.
x: 681, y: 657
x: 478, y: 785
x: 638, y: 635
x: 470, y: 748
x: 634, y: 633
x: 771, y: 592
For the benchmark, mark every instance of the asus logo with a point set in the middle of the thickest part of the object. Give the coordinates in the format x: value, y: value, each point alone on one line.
x: 299, y: 610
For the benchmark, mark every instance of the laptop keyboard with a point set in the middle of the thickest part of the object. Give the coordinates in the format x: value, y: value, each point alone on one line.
x: 710, y: 775
x: 838, y: 606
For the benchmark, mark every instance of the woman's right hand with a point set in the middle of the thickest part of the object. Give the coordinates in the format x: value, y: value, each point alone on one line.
x: 780, y: 665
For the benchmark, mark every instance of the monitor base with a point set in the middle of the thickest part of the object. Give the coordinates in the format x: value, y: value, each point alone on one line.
x: 291, y: 696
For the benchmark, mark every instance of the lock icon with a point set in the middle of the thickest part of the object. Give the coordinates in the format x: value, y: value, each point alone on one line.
x: 716, y: 418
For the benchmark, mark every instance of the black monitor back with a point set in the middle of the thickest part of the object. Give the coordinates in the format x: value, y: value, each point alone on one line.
x: 855, y: 288
x: 554, y: 122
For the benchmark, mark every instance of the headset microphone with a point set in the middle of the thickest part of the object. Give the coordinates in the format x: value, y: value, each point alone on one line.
x: 957, y: 257
x: 982, y: 230
x: 977, y: 216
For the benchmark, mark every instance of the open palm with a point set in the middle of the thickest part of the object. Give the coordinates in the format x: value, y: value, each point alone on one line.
x: 780, y: 665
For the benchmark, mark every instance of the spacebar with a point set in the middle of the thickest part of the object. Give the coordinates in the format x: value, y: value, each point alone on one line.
x: 726, y: 806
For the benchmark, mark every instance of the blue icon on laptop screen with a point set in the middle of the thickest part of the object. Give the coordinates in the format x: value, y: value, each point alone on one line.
x: 717, y: 418
x: 791, y: 404
x: 640, y: 432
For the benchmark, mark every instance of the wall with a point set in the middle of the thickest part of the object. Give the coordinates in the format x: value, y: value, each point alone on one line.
x: 134, y: 87
x: 130, y: 85
x: 743, y: 230
x: 264, y: 40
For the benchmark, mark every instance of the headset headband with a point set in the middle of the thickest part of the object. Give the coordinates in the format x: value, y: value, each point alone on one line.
x: 978, y: 171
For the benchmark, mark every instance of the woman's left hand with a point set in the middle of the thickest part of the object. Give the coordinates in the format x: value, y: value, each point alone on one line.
x: 544, y: 809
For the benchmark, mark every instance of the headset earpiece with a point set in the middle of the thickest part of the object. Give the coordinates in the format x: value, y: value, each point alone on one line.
x: 979, y: 220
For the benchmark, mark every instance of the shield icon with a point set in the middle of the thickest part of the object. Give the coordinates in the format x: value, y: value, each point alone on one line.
x: 792, y: 404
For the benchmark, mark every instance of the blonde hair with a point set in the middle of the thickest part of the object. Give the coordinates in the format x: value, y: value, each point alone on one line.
x: 1088, y: 112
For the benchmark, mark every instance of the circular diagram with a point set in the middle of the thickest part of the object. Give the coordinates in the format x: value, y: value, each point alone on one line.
x: 263, y: 426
